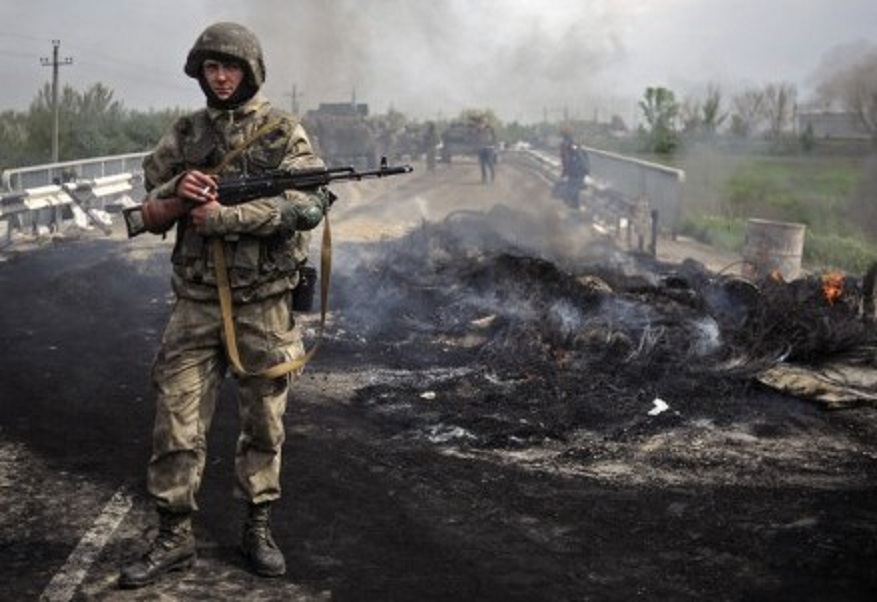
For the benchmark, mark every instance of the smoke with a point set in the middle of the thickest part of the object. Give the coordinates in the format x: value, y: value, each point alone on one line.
x: 428, y: 58
x: 838, y: 66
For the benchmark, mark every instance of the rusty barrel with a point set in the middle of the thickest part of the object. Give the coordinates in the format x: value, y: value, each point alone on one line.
x: 773, y: 248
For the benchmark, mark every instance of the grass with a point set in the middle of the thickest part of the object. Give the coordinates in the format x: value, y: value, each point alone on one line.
x: 824, y: 193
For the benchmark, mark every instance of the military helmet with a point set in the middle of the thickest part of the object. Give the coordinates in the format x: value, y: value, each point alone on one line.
x: 228, y: 40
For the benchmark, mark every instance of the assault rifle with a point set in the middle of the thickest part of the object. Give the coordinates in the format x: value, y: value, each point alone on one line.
x: 157, y: 215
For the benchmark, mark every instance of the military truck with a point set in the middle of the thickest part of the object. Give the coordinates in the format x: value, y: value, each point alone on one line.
x: 343, y: 135
x: 460, y: 138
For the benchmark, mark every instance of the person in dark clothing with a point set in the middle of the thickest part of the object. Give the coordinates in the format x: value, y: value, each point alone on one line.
x: 574, y: 168
x: 486, y: 151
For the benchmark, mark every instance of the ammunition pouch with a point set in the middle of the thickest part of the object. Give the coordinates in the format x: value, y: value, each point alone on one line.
x: 303, y: 293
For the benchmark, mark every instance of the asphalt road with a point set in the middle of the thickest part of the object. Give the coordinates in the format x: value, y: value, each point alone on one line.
x: 573, y: 490
x: 80, y: 318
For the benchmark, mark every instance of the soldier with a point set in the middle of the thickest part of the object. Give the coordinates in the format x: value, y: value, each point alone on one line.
x: 430, y: 143
x: 486, y: 138
x: 567, y: 145
x: 574, y: 168
x: 264, y: 244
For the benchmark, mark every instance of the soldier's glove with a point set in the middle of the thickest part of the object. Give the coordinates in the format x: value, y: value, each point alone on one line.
x: 158, y: 215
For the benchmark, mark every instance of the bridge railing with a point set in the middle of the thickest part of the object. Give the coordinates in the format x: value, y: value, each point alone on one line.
x: 46, y: 209
x: 659, y: 186
x: 646, y: 188
x: 22, y: 178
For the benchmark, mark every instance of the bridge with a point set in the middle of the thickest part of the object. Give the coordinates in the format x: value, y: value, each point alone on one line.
x: 640, y: 196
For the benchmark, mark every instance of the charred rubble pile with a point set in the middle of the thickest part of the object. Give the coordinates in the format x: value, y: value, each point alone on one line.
x: 471, y: 309
x: 466, y: 284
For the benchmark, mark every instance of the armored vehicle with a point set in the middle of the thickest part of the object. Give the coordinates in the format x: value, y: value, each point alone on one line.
x: 460, y: 138
x: 343, y: 135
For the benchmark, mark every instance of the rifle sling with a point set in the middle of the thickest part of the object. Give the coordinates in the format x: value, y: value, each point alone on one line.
x: 224, y: 290
x: 225, y: 303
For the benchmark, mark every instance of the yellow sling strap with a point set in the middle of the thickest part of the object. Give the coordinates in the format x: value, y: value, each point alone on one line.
x: 236, y: 152
x: 224, y: 289
x: 225, y: 303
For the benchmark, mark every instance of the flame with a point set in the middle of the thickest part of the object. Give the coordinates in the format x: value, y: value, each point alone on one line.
x: 832, y: 286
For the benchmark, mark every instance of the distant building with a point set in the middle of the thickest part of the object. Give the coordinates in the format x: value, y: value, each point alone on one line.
x: 344, y: 108
x: 827, y: 124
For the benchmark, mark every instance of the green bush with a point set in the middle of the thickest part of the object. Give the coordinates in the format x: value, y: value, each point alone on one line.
x: 819, y: 191
x: 821, y: 251
x: 719, y: 232
x: 833, y: 251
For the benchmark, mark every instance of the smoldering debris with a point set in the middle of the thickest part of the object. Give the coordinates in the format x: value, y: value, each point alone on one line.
x: 463, y: 290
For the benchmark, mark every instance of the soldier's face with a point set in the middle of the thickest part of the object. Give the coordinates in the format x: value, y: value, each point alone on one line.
x: 223, y: 77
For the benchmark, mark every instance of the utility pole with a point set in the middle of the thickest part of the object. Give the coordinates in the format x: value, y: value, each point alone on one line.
x: 294, y: 98
x: 55, y: 63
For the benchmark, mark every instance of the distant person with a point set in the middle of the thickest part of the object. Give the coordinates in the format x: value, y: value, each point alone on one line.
x: 430, y: 145
x: 567, y: 144
x: 263, y: 243
x: 574, y: 168
x: 486, y: 139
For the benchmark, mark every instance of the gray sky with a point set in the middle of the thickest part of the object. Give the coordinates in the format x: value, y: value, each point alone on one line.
x: 433, y: 58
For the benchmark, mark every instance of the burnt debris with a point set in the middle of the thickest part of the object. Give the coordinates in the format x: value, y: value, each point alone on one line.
x: 467, y: 288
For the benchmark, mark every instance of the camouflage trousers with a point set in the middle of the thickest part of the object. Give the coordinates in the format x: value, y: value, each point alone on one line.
x: 188, y: 373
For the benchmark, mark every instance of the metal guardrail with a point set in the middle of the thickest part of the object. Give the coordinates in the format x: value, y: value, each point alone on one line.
x: 22, y: 178
x: 656, y: 187
x: 50, y: 208
x: 37, y: 189
x: 659, y: 186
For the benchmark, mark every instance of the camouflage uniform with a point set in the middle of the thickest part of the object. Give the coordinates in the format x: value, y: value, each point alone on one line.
x: 264, y: 242
x: 264, y: 248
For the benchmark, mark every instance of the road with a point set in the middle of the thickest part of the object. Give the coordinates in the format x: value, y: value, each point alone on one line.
x: 442, y: 478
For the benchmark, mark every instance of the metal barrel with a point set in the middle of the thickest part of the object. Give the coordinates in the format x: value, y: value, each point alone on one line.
x: 773, y: 248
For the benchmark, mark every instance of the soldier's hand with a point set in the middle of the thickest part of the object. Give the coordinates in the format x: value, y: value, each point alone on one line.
x: 201, y: 212
x: 198, y: 187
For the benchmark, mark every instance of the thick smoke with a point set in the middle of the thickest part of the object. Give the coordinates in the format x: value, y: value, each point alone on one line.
x: 429, y: 59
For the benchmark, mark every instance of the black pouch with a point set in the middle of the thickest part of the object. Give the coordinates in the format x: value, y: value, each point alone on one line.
x: 303, y: 293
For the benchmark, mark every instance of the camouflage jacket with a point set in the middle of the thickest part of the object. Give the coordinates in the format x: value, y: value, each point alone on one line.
x: 262, y: 248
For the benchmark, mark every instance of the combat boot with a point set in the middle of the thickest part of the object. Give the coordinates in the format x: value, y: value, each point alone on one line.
x: 258, y: 545
x: 173, y: 549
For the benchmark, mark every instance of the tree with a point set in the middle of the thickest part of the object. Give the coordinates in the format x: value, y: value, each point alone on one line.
x: 850, y: 81
x: 701, y: 119
x: 91, y: 124
x: 39, y: 123
x: 713, y: 116
x: 660, y: 110
x: 779, y: 108
x: 749, y: 112
x: 142, y: 130
x: 97, y: 119
x: 690, y: 115
x: 13, y: 134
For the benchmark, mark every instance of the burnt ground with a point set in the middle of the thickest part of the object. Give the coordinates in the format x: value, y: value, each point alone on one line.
x: 480, y: 423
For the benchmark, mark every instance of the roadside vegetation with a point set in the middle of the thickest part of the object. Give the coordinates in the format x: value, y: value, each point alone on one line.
x: 90, y: 124
x: 832, y: 194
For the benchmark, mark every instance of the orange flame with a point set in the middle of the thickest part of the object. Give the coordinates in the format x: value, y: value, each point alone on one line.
x: 832, y: 286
